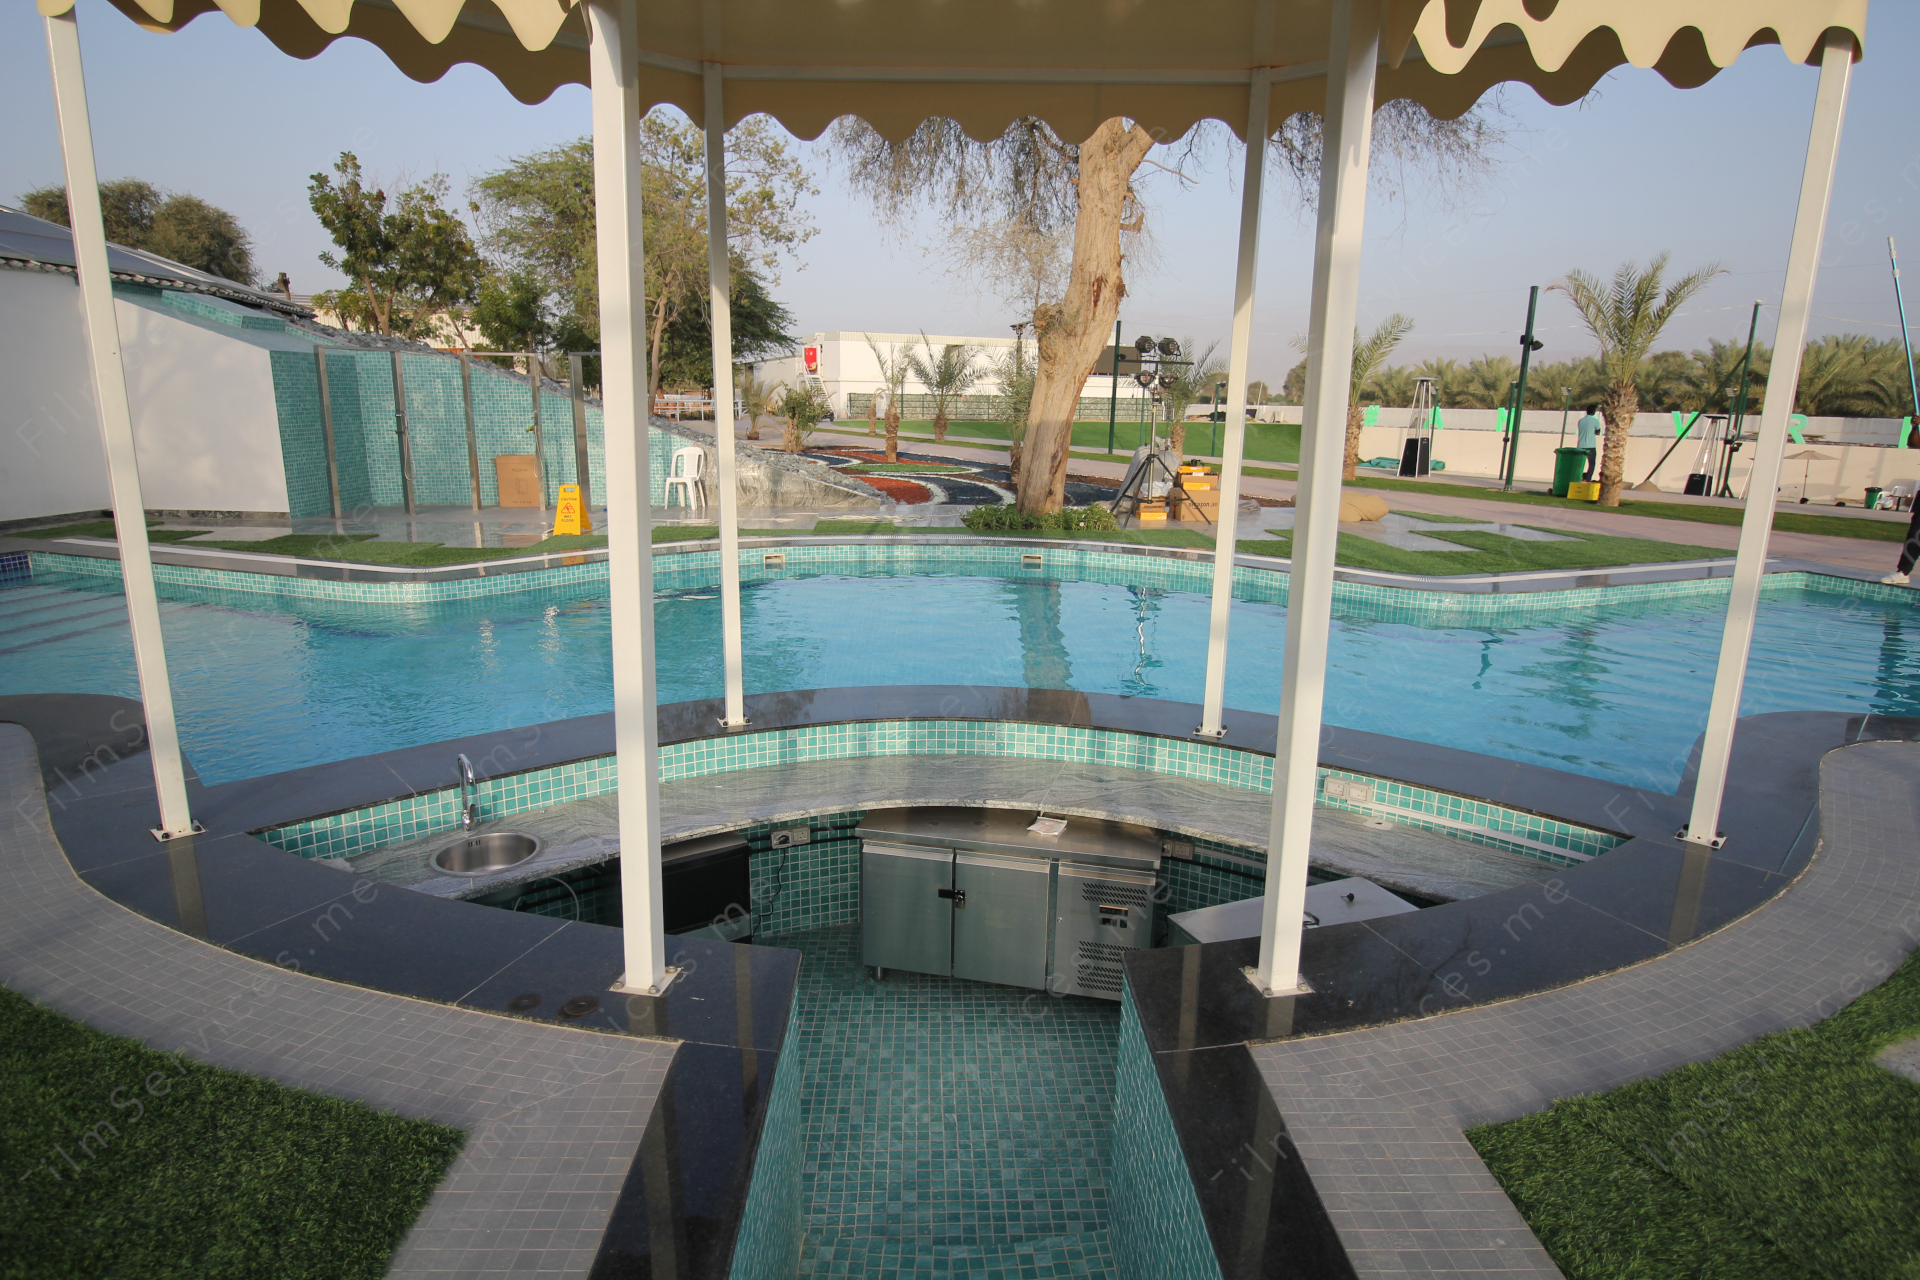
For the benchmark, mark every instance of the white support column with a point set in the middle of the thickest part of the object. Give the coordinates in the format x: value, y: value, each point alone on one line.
x: 719, y: 294
x: 116, y: 424
x: 1783, y: 379
x: 1348, y: 133
x: 613, y: 62
x: 1227, y: 531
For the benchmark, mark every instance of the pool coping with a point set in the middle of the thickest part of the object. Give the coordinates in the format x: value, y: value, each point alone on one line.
x: 179, y: 555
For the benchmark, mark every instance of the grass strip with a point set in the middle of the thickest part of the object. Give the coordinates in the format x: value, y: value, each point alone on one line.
x: 1484, y: 552
x: 1783, y: 521
x: 1793, y: 1156
x: 361, y: 548
x: 130, y: 1162
x: 823, y: 527
x: 1132, y: 537
x: 105, y: 529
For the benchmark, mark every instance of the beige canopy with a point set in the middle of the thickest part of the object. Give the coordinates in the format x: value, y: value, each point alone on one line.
x: 986, y: 62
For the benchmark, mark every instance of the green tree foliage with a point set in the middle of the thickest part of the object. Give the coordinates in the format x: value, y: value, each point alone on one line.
x: 538, y: 215
x: 800, y: 410
x: 407, y: 262
x: 173, y: 225
x: 510, y: 314
x: 760, y: 329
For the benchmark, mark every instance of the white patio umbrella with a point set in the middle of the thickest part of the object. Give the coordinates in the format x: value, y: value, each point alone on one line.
x: 1808, y: 456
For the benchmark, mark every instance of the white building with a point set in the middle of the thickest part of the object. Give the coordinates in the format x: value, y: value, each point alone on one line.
x: 845, y: 365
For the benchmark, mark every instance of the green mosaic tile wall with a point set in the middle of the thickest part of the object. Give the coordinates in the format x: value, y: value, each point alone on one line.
x: 303, y: 454
x: 768, y: 1245
x: 343, y: 834
x: 1158, y: 1230
x: 808, y: 886
x: 367, y: 451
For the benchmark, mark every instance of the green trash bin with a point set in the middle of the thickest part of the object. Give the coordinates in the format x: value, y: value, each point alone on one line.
x: 1568, y: 466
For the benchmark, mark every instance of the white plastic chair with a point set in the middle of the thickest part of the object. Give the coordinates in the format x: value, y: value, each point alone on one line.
x: 689, y: 466
x: 1898, y: 496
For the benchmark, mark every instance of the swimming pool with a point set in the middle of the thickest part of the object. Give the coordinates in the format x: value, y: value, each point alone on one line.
x: 1615, y: 686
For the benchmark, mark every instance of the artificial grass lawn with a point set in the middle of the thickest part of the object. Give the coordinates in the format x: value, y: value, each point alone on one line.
x: 105, y: 529
x: 217, y: 1175
x: 1483, y: 552
x: 361, y: 548
x: 1792, y: 1156
x: 1783, y: 521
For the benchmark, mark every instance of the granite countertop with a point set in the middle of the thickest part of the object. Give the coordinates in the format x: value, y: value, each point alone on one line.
x: 582, y: 832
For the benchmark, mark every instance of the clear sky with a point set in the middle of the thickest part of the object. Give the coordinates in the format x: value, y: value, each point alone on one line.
x: 1709, y: 174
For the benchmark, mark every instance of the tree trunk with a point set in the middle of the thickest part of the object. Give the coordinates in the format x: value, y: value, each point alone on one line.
x: 790, y: 435
x: 1355, y: 419
x: 1621, y: 404
x: 653, y: 359
x: 1072, y: 334
x: 1177, y: 436
x: 893, y: 433
x: 873, y: 403
x: 940, y: 423
x: 1013, y: 464
x: 753, y: 426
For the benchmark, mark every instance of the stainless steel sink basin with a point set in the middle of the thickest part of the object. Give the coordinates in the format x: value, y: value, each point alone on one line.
x: 484, y: 855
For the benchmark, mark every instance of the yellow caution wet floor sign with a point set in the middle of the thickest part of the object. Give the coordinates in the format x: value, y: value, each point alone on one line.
x: 569, y: 515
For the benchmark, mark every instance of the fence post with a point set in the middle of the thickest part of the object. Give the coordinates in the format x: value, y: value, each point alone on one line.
x: 400, y: 429
x: 539, y: 448
x: 473, y: 443
x: 582, y: 468
x: 326, y: 431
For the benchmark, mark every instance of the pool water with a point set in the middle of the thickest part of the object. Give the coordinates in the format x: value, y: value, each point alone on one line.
x: 1612, y: 690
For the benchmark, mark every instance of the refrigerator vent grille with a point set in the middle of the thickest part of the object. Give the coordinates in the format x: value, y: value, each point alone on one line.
x: 1100, y: 966
x: 1131, y: 895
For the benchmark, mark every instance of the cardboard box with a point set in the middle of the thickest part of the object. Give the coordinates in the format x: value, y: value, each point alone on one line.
x: 1197, y: 506
x: 518, y: 479
x: 1151, y: 511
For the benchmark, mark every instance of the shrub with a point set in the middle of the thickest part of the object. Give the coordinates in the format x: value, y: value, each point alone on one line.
x: 1004, y: 519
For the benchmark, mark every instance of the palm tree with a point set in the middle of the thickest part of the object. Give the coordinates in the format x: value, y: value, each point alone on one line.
x: 757, y: 397
x: 1369, y: 354
x: 893, y: 372
x: 947, y: 376
x: 1486, y: 382
x: 1626, y: 318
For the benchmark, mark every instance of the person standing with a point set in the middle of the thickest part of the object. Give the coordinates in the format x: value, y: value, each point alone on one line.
x: 1909, y: 551
x: 1588, y: 442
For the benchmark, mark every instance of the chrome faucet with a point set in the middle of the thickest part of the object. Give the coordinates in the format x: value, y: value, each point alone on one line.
x: 469, y: 807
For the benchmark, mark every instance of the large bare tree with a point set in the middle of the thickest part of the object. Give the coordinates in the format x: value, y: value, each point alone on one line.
x: 1031, y: 185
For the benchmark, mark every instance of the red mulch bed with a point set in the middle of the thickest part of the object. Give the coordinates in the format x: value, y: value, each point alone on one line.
x: 899, y: 490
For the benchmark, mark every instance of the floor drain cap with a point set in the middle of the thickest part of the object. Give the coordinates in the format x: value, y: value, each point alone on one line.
x: 520, y: 1004
x: 579, y: 1007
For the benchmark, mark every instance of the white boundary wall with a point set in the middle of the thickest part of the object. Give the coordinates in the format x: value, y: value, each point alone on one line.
x: 848, y: 366
x: 205, y: 420
x: 1471, y: 449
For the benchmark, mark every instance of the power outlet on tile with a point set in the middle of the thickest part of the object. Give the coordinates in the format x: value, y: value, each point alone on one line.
x: 1359, y: 793
x: 787, y: 837
x: 1177, y: 849
x: 1336, y: 787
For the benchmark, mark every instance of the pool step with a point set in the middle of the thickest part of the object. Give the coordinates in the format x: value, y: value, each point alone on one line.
x: 856, y: 1252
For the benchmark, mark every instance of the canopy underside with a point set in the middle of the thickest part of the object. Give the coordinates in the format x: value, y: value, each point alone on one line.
x: 986, y: 63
